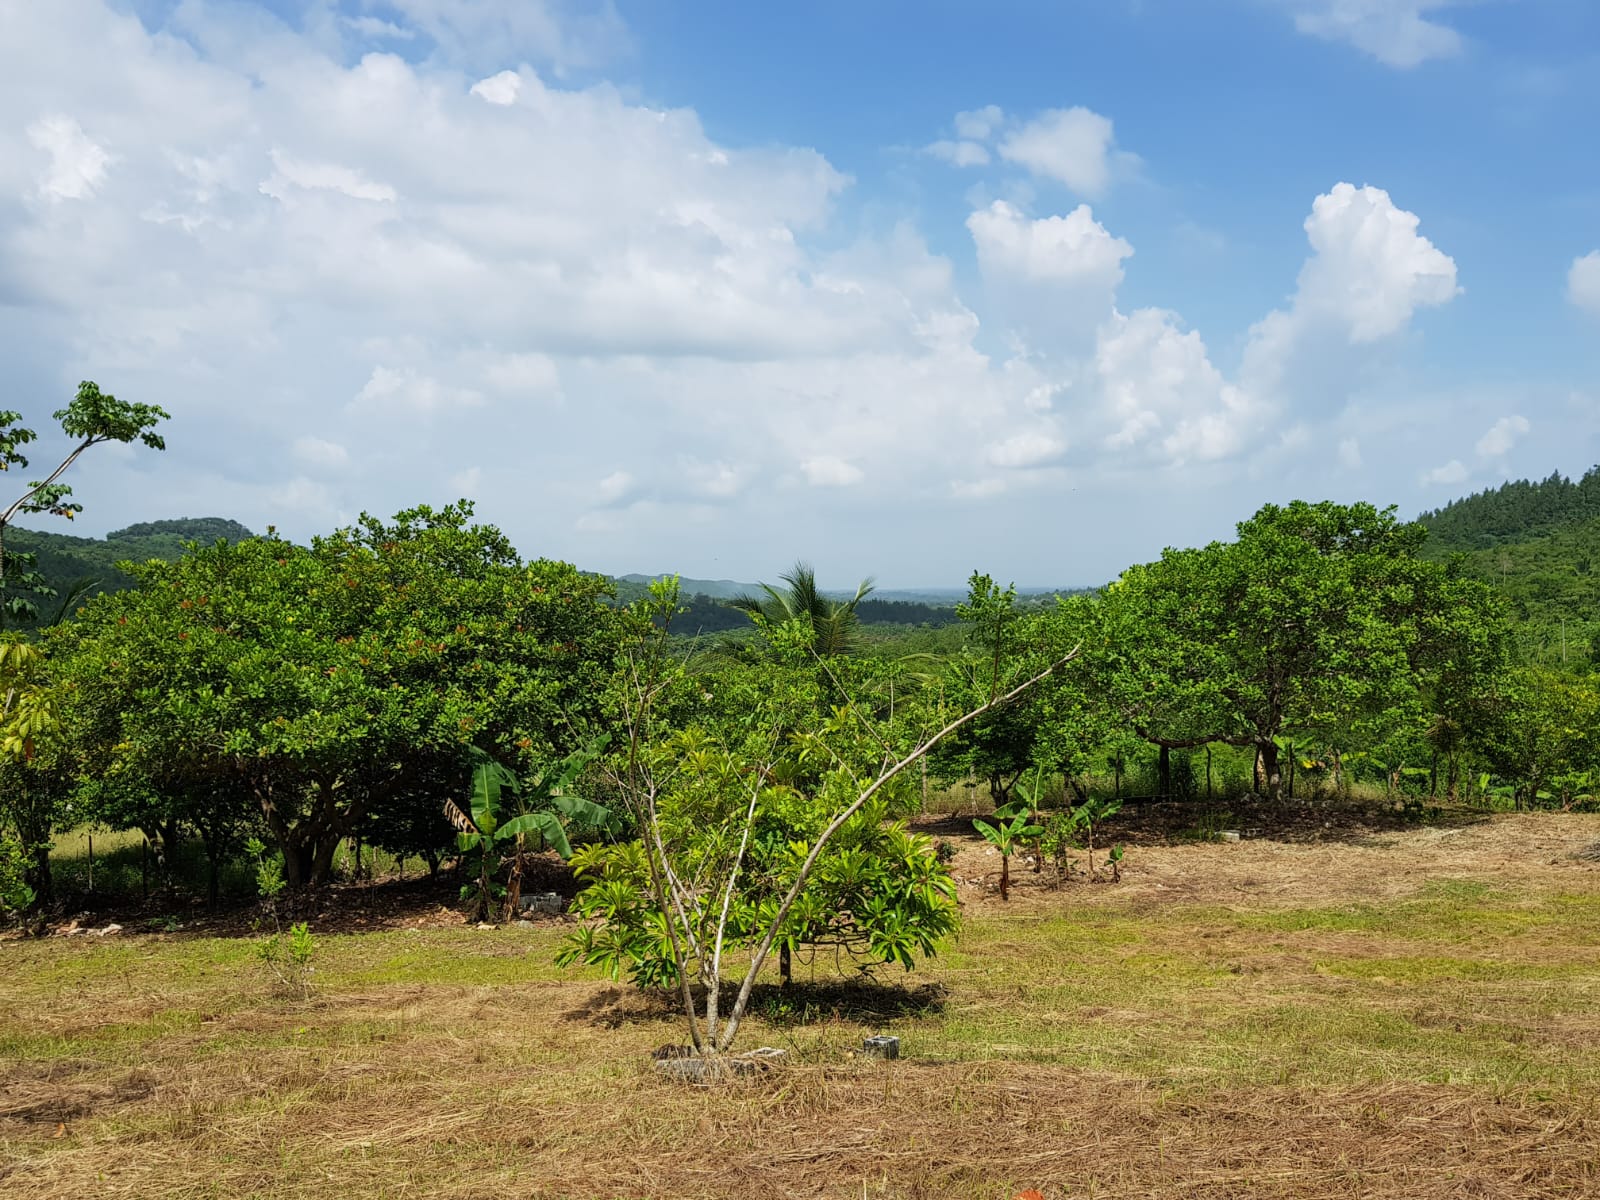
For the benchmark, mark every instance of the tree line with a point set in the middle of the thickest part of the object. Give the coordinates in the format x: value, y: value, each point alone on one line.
x: 416, y: 684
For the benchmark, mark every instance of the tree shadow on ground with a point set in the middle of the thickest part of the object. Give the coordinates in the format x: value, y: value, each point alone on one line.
x: 864, y: 1001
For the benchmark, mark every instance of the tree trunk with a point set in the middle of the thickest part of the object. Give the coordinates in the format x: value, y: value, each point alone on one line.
x: 38, y: 875
x: 785, y: 965
x: 297, y: 864
x: 1005, y: 877
x: 1164, y: 773
x: 322, y: 858
x: 1433, y: 777
x: 1271, y: 769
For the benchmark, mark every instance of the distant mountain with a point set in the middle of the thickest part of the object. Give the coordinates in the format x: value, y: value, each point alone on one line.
x: 67, y: 561
x: 717, y: 589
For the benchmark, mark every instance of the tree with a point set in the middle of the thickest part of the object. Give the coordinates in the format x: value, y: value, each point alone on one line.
x: 28, y: 795
x: 314, y: 683
x: 999, y: 746
x: 1317, y: 617
x: 91, y: 418
x: 681, y: 903
x: 832, y: 623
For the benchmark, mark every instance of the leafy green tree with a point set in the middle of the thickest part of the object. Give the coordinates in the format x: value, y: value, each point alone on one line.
x: 1539, y: 729
x: 92, y: 417
x: 1317, y: 617
x: 315, y: 682
x: 672, y: 907
x: 833, y: 624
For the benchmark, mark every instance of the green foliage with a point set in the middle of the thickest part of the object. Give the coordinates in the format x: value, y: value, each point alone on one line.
x: 91, y: 418
x: 505, y: 812
x: 830, y: 625
x: 309, y: 683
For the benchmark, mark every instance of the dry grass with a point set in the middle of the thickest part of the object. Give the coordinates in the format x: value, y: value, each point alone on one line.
x: 1392, y: 1014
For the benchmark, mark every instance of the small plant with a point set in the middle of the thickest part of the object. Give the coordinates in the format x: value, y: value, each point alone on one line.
x: 287, y: 955
x: 1114, y: 861
x: 1006, y: 837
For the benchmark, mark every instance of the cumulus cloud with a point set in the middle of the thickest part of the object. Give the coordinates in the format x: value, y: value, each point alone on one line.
x: 1163, y: 393
x: 500, y: 90
x: 1397, y: 33
x: 1502, y: 435
x: 1583, y: 282
x: 77, y: 164
x: 1073, y: 249
x: 1452, y: 472
x: 1369, y: 272
x: 1073, y: 146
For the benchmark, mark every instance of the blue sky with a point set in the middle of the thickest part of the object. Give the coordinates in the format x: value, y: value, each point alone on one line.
x: 906, y: 289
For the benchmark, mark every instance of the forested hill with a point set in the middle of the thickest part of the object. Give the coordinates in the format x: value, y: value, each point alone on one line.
x: 1538, y: 546
x: 1513, y: 512
x: 65, y: 561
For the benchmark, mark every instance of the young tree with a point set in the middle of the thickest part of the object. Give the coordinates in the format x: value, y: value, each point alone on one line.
x: 91, y: 418
x: 697, y: 817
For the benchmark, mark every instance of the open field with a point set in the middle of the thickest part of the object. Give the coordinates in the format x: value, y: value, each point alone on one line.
x: 1339, y: 1012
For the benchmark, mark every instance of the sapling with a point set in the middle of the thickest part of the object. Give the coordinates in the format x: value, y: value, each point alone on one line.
x: 1005, y: 837
x: 286, y: 955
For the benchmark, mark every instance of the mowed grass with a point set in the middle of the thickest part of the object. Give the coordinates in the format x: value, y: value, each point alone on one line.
x: 1445, y: 1042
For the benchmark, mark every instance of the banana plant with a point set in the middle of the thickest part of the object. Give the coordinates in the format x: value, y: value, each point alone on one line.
x: 1005, y: 837
x: 506, y: 812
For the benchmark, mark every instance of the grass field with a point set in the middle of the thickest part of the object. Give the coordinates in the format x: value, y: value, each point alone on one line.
x: 1356, y: 1012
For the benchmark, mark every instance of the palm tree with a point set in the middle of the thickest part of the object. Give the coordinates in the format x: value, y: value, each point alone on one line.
x: 833, y: 622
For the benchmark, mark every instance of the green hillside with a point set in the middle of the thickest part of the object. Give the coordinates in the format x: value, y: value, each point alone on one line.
x: 1538, y: 544
x: 66, y: 561
x: 1513, y: 512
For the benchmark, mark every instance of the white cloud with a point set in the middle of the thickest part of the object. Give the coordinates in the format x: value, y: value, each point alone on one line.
x: 373, y: 27
x: 318, y: 453
x: 1502, y: 435
x: 1350, y: 454
x: 499, y: 89
x: 564, y: 33
x: 392, y: 388
x: 829, y: 471
x: 978, y: 124
x: 1395, y: 32
x: 467, y: 482
x: 1368, y: 274
x: 960, y: 153
x: 1031, y: 448
x: 1451, y: 473
x: 329, y: 177
x: 1073, y: 249
x: 77, y: 164
x: 1162, y: 392
x: 1071, y: 145
x: 1583, y: 282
